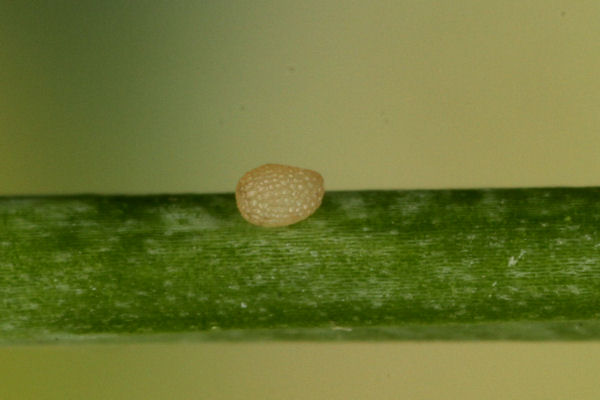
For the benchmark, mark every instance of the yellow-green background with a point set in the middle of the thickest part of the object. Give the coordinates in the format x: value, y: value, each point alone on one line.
x: 172, y: 96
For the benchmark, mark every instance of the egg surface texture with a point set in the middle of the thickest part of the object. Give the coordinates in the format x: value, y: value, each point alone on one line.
x: 278, y: 195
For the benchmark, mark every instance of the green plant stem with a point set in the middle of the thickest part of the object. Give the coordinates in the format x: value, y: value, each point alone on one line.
x: 368, y: 265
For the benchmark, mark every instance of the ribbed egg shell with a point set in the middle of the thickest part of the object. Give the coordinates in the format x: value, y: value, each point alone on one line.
x: 279, y: 195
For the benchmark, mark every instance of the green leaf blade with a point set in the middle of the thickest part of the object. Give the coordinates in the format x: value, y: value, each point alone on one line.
x: 375, y: 262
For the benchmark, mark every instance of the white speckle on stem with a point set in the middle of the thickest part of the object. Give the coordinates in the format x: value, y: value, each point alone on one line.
x: 573, y: 289
x: 512, y: 261
x: 341, y: 328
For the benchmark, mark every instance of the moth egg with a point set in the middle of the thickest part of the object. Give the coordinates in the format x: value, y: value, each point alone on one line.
x: 265, y: 194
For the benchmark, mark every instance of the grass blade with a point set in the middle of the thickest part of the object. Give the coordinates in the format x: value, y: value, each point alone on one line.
x: 369, y: 265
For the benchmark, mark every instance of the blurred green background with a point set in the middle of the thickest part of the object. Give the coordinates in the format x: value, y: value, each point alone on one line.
x: 157, y: 96
x: 185, y: 96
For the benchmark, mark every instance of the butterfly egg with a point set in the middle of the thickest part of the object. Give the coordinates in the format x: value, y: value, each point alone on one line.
x: 278, y: 195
